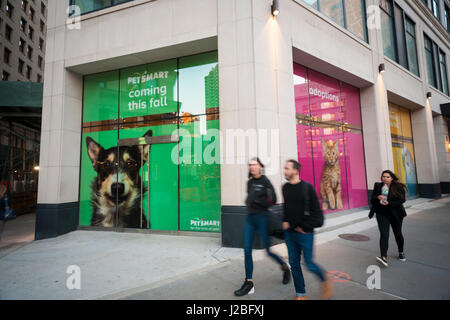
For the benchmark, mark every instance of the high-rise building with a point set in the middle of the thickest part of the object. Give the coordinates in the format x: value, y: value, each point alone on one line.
x: 23, y: 32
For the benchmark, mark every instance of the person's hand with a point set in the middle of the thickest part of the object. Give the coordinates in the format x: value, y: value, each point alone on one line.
x: 286, y: 225
x: 384, y: 203
x: 298, y: 229
x: 380, y: 197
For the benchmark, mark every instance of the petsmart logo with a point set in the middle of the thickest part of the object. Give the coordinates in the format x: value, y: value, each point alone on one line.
x: 197, y: 222
x: 323, y: 94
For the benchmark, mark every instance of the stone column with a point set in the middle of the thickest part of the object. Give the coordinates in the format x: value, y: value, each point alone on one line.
x: 425, y: 151
x: 375, y: 116
x: 57, y: 210
x: 441, y: 135
x: 256, y: 97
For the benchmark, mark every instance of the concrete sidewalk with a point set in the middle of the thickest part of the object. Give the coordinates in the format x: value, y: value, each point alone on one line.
x: 148, y: 266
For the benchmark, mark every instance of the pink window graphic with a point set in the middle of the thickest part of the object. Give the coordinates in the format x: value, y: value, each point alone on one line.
x: 329, y: 139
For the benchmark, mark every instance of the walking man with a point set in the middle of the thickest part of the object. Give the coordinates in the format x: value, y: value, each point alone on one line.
x: 302, y: 213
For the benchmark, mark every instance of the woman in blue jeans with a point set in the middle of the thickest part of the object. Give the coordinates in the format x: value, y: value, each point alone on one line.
x: 261, y: 196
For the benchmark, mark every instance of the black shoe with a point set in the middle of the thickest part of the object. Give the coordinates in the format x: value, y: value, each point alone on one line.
x: 247, y: 288
x: 286, y: 276
x: 382, y: 261
x: 401, y: 257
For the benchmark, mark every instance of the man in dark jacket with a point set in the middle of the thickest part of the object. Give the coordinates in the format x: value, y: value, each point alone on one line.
x: 302, y: 213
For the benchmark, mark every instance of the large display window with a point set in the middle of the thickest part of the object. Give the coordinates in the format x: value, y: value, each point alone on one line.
x: 329, y: 139
x: 146, y: 131
x: 403, y: 147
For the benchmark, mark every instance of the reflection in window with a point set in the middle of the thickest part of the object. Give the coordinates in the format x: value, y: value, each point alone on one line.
x: 443, y: 69
x: 387, y: 29
x: 93, y: 5
x: 411, y: 49
x: 352, y: 18
x: 198, y: 84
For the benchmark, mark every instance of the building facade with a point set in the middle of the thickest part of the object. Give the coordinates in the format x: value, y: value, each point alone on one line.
x: 23, y: 28
x: 148, y: 102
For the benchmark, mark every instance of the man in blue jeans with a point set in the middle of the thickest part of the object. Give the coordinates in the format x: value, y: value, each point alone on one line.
x: 302, y: 213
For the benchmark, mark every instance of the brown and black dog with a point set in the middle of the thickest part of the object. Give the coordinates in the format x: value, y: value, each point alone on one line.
x: 116, y: 191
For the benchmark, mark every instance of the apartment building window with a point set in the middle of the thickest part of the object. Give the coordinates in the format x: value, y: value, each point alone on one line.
x: 87, y: 6
x: 387, y: 29
x: 8, y: 32
x: 435, y: 8
x: 9, y: 9
x: 30, y: 53
x: 29, y: 72
x: 443, y: 72
x: 43, y: 9
x: 430, y: 61
x: 6, y: 55
x: 41, y: 44
x: 31, y: 15
x: 21, y: 65
x: 24, y: 5
x: 21, y: 45
x: 5, y: 76
x: 42, y: 26
x: 23, y: 24
x: 39, y: 78
x: 30, y: 32
x: 447, y: 18
x: 350, y: 14
x: 40, y: 60
x: 411, y: 48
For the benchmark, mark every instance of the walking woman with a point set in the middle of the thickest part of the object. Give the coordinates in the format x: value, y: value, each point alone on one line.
x: 387, y: 201
x: 261, y: 196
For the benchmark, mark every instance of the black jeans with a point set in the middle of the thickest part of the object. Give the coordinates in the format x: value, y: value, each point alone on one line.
x: 384, y: 221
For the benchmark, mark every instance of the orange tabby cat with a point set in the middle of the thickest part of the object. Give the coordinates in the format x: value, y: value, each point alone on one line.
x: 330, y: 183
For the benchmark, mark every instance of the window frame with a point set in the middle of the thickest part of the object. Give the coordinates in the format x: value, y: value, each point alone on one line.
x: 406, y: 18
x: 71, y: 3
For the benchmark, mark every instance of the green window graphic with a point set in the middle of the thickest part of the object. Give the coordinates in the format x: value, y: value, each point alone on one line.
x: 133, y: 174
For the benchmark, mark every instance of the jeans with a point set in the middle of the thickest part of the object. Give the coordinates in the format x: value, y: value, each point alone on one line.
x: 297, y: 242
x: 384, y: 221
x: 256, y: 222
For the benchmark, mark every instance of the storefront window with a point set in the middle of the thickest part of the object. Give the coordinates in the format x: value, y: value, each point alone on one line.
x: 403, y: 147
x: 128, y: 183
x: 329, y: 139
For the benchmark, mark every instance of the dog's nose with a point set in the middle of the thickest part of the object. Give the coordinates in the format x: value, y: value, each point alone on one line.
x: 117, y: 189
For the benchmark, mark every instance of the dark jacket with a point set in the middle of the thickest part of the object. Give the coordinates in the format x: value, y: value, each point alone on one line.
x: 301, y: 206
x: 395, y: 204
x: 261, y: 195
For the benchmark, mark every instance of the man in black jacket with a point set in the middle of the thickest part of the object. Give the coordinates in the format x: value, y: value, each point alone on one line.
x: 302, y: 213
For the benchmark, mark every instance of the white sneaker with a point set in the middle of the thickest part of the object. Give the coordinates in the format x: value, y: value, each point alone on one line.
x: 382, y: 261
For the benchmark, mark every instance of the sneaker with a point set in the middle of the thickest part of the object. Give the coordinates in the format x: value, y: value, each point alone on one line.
x: 327, y: 290
x: 382, y: 261
x: 300, y: 298
x: 401, y: 257
x: 247, y: 288
x: 286, y: 276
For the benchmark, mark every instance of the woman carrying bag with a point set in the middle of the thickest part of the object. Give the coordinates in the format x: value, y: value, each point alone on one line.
x: 387, y: 202
x: 6, y: 213
x: 261, y: 196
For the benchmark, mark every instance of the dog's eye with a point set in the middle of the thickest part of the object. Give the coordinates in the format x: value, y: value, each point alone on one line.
x: 131, y: 163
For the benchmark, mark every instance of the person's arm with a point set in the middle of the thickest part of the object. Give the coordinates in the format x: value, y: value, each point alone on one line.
x: 375, y: 194
x: 316, y: 214
x: 285, y: 225
x: 272, y: 191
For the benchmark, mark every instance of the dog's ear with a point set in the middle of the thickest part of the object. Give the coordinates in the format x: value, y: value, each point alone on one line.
x: 146, y: 148
x: 93, y: 149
